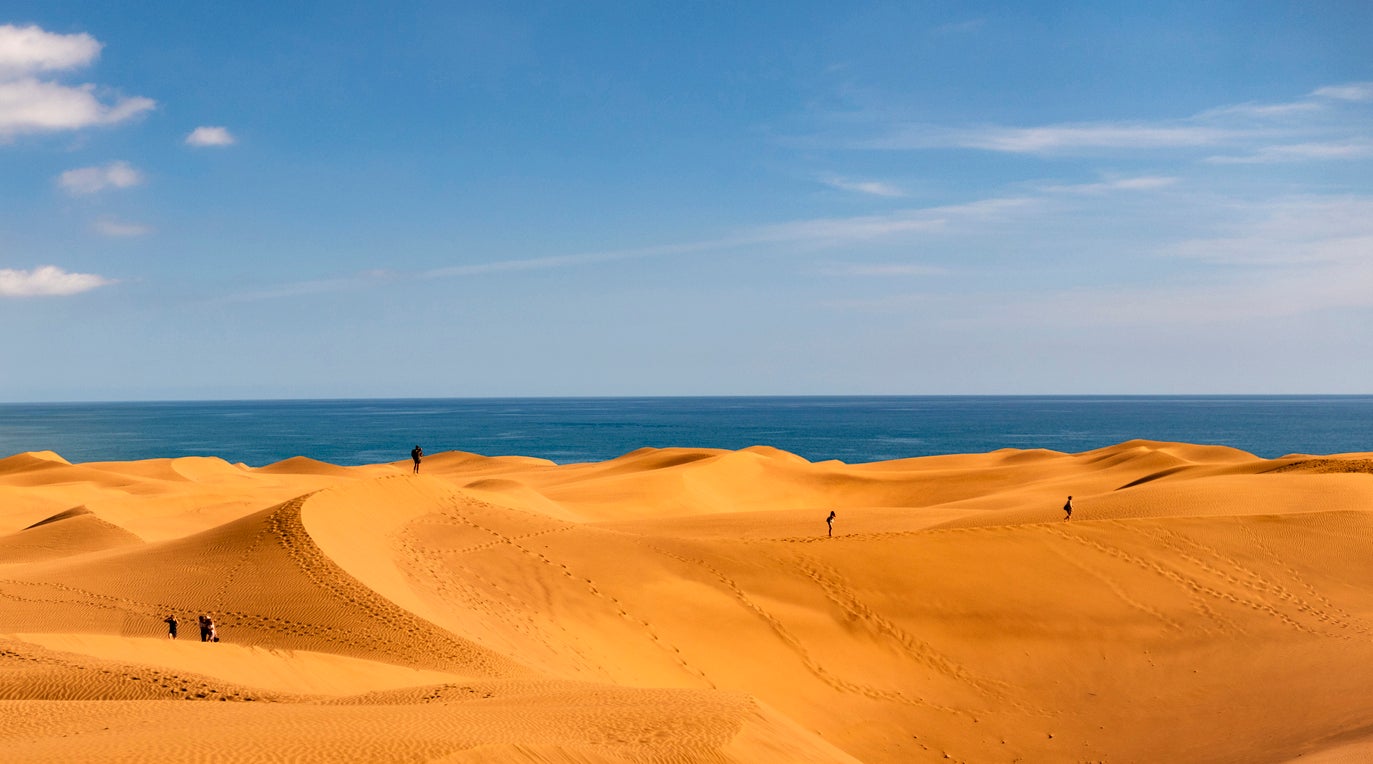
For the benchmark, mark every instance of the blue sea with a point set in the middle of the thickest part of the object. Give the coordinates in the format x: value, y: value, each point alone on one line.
x: 566, y: 430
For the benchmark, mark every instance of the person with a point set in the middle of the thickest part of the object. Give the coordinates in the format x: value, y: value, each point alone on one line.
x: 205, y: 625
x: 214, y: 632
x: 171, y: 622
x: 829, y: 521
x: 1068, y: 509
x: 415, y: 454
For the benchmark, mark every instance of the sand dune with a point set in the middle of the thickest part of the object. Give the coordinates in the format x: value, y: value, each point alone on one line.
x: 75, y: 531
x: 687, y: 605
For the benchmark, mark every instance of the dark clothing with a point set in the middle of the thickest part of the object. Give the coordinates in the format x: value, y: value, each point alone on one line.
x: 415, y: 454
x: 171, y: 626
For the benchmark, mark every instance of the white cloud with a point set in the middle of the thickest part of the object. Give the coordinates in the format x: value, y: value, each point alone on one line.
x: 120, y: 229
x: 29, y: 105
x: 47, y: 280
x: 210, y: 136
x: 870, y: 187
x: 30, y: 49
x: 1353, y: 91
x: 89, y: 180
x: 32, y: 105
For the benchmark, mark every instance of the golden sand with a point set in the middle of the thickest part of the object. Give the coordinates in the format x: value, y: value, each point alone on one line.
x: 1202, y: 605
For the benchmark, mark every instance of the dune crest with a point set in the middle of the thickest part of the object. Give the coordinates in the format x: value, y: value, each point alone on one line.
x: 683, y: 604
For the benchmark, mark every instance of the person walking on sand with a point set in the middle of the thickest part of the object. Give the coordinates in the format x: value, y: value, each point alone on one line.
x: 214, y: 632
x: 829, y: 522
x: 415, y: 454
x: 204, y: 622
x: 171, y: 622
x: 1068, y: 509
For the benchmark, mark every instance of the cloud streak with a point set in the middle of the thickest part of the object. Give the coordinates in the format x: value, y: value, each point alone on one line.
x: 47, y: 281
x: 120, y: 229
x: 869, y: 187
x: 1329, y: 122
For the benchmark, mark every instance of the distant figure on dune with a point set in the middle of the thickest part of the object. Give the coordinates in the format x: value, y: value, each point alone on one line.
x: 171, y: 626
x: 829, y: 521
x: 415, y: 454
x: 214, y: 632
x: 1068, y: 509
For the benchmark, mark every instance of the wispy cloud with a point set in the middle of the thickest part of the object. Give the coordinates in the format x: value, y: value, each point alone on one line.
x: 120, y: 229
x: 1299, y: 152
x: 1303, y: 231
x: 960, y: 27
x: 883, y: 270
x: 1140, y: 183
x: 1283, y: 259
x: 32, y: 105
x: 1354, y: 91
x: 1087, y: 137
x: 90, y: 180
x: 47, y: 281
x: 1327, y: 122
x: 816, y: 233
x: 870, y: 187
x: 210, y: 136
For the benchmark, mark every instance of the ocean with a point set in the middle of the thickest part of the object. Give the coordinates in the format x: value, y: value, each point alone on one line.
x: 567, y: 430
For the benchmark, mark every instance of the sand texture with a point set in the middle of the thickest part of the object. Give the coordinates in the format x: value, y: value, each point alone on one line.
x: 1202, y: 605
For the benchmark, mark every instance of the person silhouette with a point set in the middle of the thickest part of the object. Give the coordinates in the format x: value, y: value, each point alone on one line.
x: 829, y: 521
x: 171, y: 626
x: 415, y: 454
x: 1068, y: 510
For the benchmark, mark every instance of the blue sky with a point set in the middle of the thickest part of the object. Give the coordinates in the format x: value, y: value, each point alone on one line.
x: 300, y: 200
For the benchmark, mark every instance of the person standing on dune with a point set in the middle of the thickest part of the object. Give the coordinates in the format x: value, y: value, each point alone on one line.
x: 415, y: 454
x: 1068, y: 510
x: 171, y: 626
x: 829, y: 522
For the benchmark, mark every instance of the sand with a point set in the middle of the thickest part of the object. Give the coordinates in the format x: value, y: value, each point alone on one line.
x: 1202, y: 605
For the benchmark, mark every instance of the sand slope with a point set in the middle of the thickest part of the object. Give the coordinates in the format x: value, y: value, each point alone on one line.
x: 686, y: 605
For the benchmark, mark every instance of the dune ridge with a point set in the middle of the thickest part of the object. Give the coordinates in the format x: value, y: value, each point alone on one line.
x: 682, y: 604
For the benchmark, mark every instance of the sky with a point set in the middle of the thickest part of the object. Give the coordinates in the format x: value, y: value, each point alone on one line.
x: 453, y: 199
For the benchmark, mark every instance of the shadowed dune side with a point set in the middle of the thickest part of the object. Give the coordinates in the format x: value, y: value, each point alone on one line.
x: 156, y: 499
x: 263, y: 580
x: 31, y: 461
x: 75, y: 531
